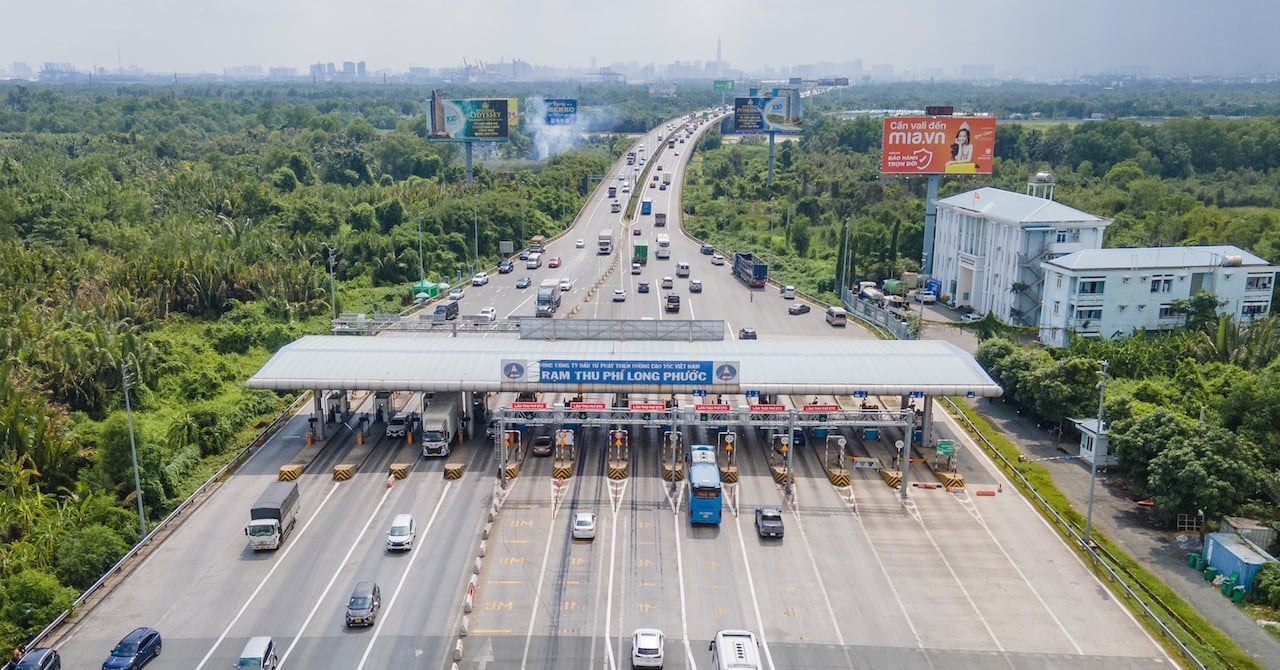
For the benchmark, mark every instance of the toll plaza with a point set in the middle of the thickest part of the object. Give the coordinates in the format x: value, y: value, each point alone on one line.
x: 788, y: 388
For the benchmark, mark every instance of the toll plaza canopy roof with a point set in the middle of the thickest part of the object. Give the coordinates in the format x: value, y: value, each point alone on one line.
x: 821, y: 366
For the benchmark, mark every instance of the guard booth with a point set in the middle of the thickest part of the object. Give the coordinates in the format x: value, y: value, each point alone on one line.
x: 382, y: 409
x: 337, y: 406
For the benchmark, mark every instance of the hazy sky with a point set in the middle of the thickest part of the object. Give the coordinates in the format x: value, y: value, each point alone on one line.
x: 1080, y: 36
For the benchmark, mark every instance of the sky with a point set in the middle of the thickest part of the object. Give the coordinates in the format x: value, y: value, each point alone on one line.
x: 1173, y: 37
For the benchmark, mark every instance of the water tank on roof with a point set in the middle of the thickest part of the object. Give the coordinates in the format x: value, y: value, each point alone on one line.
x: 1232, y: 261
x: 1044, y: 177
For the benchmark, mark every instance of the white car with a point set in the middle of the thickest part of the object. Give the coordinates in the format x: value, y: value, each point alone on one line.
x: 488, y: 314
x: 580, y: 243
x: 619, y: 295
x: 971, y: 316
x: 717, y: 259
x: 480, y: 279
x: 646, y: 648
x: 584, y: 526
x: 566, y: 284
x: 456, y: 294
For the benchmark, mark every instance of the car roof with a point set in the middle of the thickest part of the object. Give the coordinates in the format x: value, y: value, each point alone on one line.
x: 769, y: 510
x: 584, y: 515
x: 137, y: 634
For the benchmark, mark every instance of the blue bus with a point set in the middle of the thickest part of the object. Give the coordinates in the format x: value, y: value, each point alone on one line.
x: 704, y: 485
x: 646, y: 206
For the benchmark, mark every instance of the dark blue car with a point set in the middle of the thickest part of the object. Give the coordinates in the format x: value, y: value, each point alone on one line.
x: 135, y: 650
x: 42, y: 658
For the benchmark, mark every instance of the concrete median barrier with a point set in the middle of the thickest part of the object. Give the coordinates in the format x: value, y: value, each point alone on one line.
x: 617, y: 469
x: 891, y: 477
x: 289, y: 472
x: 838, y: 477
x: 729, y: 474
x: 343, y: 471
x: 453, y: 470
x: 399, y: 470
x: 951, y: 480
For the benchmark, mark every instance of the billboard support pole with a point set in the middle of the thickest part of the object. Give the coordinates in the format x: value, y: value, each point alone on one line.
x: 469, y: 163
x: 930, y: 218
x: 771, y: 158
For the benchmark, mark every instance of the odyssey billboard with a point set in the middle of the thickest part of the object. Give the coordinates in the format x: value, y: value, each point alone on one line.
x: 467, y: 119
x: 938, y: 144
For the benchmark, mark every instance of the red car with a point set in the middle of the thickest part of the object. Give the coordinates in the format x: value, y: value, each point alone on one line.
x: 554, y: 262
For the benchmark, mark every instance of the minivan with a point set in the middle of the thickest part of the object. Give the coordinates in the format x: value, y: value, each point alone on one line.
x: 259, y: 654
x: 398, y: 425
x: 363, y: 606
x: 400, y: 535
x: 836, y: 316
x: 447, y: 310
x: 682, y: 269
x: 534, y: 262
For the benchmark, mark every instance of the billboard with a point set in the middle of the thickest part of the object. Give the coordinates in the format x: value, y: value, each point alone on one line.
x: 938, y: 144
x: 561, y: 111
x: 467, y: 119
x: 722, y: 85
x: 778, y: 114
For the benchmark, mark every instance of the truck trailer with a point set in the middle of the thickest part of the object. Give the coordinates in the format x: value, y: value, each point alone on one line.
x: 440, y: 424
x: 548, y: 300
x: 750, y: 269
x: 660, y: 219
x: 273, y: 515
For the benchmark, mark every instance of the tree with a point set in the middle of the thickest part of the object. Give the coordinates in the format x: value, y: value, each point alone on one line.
x: 1135, y: 443
x: 1210, y: 470
x: 31, y: 599
x: 86, y: 553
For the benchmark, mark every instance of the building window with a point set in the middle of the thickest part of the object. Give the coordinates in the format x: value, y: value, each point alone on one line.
x: 1089, y: 314
x: 1253, y: 309
x: 1059, y: 281
x: 1057, y: 307
x: 1258, y: 282
x: 1166, y: 311
x: 1068, y: 236
x: 1092, y: 286
x: 1162, y: 283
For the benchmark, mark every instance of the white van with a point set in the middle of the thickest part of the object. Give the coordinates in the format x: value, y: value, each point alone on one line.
x: 788, y: 293
x: 259, y: 654
x: 400, y: 535
x: 534, y: 262
x: 735, y: 650
x: 836, y: 316
x: 682, y: 269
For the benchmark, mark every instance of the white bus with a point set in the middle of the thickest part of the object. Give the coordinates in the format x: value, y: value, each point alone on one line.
x: 735, y: 650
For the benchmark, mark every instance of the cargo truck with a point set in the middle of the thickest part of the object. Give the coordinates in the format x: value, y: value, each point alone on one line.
x: 605, y: 241
x: 750, y: 269
x: 646, y: 206
x: 440, y: 424
x: 613, y: 191
x: 548, y: 299
x: 273, y: 515
x: 660, y: 219
x: 666, y: 178
x: 641, y: 255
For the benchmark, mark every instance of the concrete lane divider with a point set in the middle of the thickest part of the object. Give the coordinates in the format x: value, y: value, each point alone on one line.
x: 617, y: 469
x: 343, y: 471
x: 838, y: 476
x: 453, y: 470
x: 891, y: 477
x: 729, y: 474
x: 951, y: 480
x: 289, y: 472
x: 399, y: 470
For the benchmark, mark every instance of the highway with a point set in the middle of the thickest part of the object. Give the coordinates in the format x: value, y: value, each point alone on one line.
x: 950, y: 579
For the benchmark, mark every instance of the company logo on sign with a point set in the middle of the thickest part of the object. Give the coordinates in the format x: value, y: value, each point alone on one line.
x: 513, y: 370
x: 726, y: 373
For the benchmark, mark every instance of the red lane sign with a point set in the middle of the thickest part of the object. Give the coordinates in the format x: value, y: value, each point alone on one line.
x: 711, y: 408
x: 764, y: 409
x: 648, y: 407
x: 586, y: 405
x: 822, y: 408
x: 528, y: 405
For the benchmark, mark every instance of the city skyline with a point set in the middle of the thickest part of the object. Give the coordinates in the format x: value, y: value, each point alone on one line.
x: 1002, y: 37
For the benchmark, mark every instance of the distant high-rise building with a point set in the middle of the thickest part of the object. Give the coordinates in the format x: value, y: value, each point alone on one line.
x: 360, y: 70
x: 20, y: 71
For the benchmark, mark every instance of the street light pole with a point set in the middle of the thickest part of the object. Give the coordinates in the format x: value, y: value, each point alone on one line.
x: 1097, y: 440
x: 333, y: 296
x: 844, y: 260
x: 133, y: 451
x: 475, y: 228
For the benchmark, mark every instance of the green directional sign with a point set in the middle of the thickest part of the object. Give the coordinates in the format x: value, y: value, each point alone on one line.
x: 722, y: 85
x: 946, y: 448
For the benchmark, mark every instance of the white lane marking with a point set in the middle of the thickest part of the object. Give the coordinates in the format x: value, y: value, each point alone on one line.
x: 280, y: 560
x: 537, y: 594
x: 822, y: 586
x: 377, y: 630
x: 324, y: 594
x: 684, y: 614
x: 755, y: 601
x: 613, y: 551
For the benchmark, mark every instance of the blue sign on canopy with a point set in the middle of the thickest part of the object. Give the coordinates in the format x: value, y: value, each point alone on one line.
x: 638, y: 372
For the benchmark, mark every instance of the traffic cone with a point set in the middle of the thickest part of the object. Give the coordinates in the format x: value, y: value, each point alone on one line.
x: 999, y: 487
x: 391, y: 481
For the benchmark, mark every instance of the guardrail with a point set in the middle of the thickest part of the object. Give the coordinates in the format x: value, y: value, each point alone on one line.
x: 1097, y: 555
x: 163, y: 526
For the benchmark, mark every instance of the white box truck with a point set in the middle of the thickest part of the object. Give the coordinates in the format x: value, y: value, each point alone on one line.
x: 605, y: 241
x: 273, y: 515
x: 440, y: 424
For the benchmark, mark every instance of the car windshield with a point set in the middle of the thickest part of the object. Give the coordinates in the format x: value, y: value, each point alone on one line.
x: 358, y: 603
x: 125, y: 649
x: 249, y: 664
x: 399, y: 531
x: 262, y: 530
x: 433, y: 436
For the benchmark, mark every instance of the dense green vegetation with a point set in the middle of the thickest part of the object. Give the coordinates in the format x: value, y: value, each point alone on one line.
x: 186, y: 232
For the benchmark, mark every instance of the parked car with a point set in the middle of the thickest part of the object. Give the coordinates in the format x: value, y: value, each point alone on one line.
x: 524, y: 282
x: 480, y: 279
x: 646, y: 648
x: 134, y: 650
x: 747, y: 334
x: 971, y: 316
x: 553, y: 262
x: 769, y: 522
x: 798, y: 308
x: 584, y: 526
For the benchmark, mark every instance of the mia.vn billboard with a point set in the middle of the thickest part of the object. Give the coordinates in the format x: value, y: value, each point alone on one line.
x: 938, y: 144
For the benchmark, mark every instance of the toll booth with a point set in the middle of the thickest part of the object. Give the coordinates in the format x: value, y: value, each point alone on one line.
x: 382, y: 407
x: 337, y: 406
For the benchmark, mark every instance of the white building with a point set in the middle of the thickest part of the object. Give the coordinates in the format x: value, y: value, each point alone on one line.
x: 1114, y: 292
x: 989, y: 244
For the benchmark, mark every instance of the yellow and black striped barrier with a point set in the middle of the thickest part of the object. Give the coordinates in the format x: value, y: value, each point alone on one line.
x: 671, y: 474
x: 513, y: 470
x: 780, y: 475
x: 562, y: 469
x: 343, y: 471
x: 400, y: 470
x: 838, y: 476
x: 729, y: 474
x: 617, y: 469
x: 453, y: 470
x: 289, y: 472
x: 891, y: 477
x: 951, y: 480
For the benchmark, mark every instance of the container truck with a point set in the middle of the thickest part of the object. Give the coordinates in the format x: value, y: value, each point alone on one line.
x: 750, y: 269
x: 273, y: 515
x: 660, y: 219
x: 440, y: 424
x: 641, y: 254
x: 604, y: 241
x: 548, y: 299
